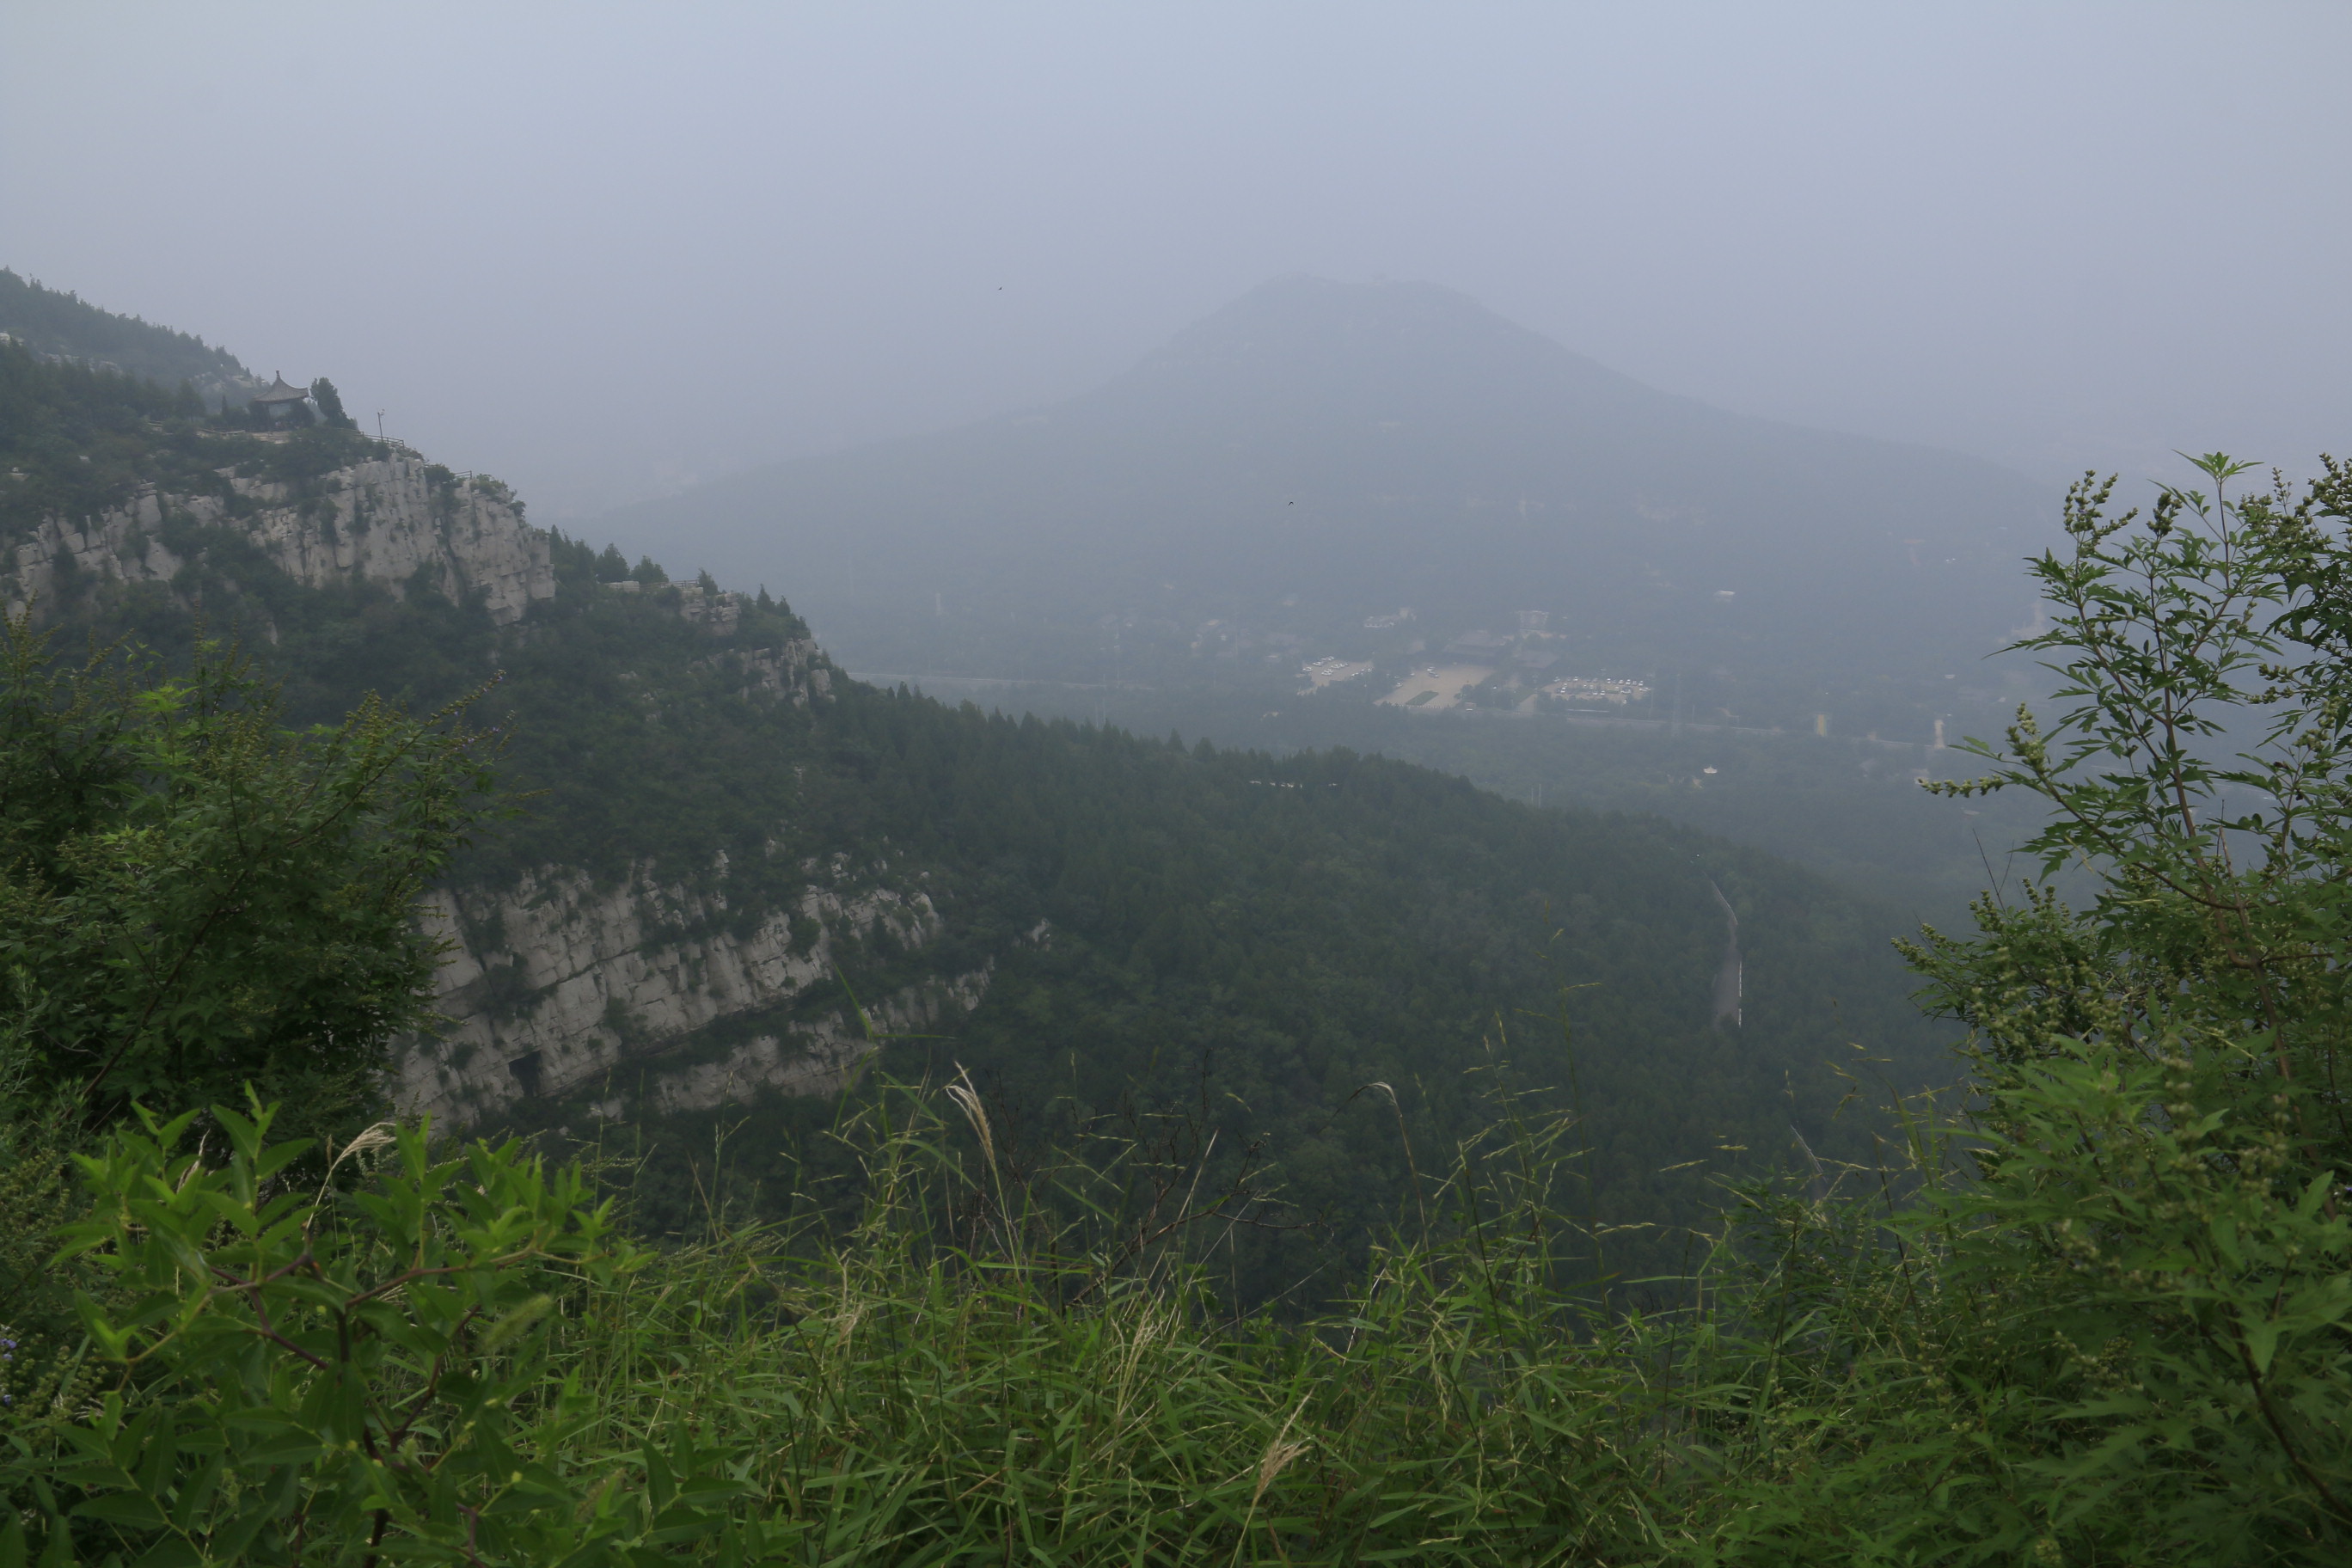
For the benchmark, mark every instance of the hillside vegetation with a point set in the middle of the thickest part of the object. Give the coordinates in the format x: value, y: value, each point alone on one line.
x: 1166, y: 1152
x: 55, y: 324
x: 1848, y: 808
x: 75, y: 440
x: 2096, y: 1314
x: 1354, y: 478
x: 1152, y: 940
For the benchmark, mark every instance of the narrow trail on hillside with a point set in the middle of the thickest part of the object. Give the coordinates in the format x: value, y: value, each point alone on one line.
x: 1729, y: 984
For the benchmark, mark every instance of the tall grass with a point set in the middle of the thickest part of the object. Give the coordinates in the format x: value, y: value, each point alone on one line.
x: 969, y: 1375
x: 1000, y: 1364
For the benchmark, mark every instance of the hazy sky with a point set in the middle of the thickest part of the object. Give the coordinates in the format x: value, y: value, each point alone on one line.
x: 604, y: 249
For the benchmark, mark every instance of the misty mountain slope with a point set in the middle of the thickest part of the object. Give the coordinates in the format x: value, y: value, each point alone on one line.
x: 735, y: 860
x: 58, y: 324
x: 1316, y: 454
x: 1841, y: 806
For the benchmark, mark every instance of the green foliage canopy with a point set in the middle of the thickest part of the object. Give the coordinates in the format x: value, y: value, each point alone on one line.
x: 308, y: 1378
x: 2202, y: 766
x: 193, y: 898
x: 2133, y: 1299
x: 330, y: 405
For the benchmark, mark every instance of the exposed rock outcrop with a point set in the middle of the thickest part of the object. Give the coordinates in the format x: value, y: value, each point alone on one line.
x: 380, y: 522
x: 816, y: 1057
x: 650, y: 996
x: 796, y: 673
x: 557, y: 987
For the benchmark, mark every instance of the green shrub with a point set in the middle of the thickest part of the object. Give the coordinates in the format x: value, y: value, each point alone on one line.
x: 322, y: 1377
x: 191, y: 896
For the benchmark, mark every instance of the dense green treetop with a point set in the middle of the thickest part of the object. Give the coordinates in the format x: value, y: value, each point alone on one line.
x: 2199, y: 760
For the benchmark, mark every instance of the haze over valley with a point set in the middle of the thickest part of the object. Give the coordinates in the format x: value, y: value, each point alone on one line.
x: 1378, y: 473
x: 1326, y: 499
x: 1199, y: 784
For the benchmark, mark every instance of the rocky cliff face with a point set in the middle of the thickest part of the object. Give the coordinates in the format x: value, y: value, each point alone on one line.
x: 647, y: 996
x: 380, y: 522
x: 651, y: 996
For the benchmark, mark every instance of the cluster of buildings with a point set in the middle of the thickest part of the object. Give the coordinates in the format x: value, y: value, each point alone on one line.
x: 1597, y: 688
x: 1231, y: 640
x: 1326, y: 672
x: 1507, y: 664
x: 1482, y: 667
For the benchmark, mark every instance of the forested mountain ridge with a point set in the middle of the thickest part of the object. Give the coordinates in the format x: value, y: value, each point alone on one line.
x: 301, y: 543
x: 62, y: 325
x: 1369, y: 473
x: 742, y: 874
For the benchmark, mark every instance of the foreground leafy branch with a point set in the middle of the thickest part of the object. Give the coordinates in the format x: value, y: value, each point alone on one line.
x: 193, y: 898
x: 303, y: 1376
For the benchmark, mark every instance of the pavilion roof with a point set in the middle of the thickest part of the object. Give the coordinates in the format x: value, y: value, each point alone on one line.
x: 282, y: 393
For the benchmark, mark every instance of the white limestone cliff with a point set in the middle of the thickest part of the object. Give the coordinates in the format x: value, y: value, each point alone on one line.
x: 646, y: 995
x: 559, y: 988
x: 379, y: 521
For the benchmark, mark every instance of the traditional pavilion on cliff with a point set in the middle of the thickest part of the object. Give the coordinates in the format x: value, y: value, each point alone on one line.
x: 281, y: 401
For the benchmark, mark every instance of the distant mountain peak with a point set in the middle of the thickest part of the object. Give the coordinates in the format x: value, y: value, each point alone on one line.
x: 1368, y: 445
x: 1422, y: 342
